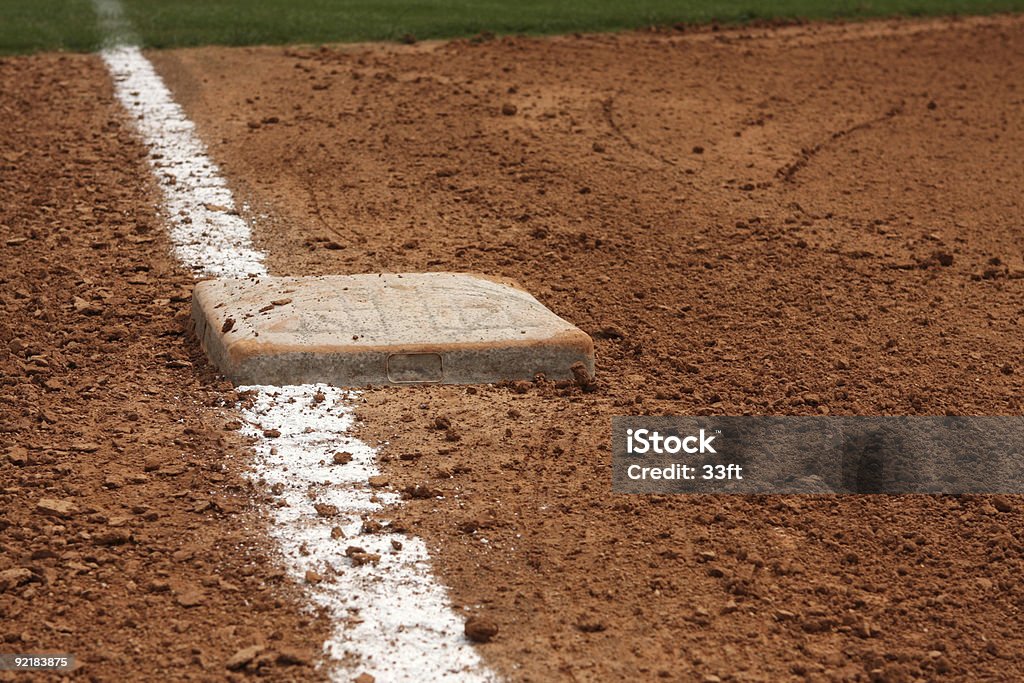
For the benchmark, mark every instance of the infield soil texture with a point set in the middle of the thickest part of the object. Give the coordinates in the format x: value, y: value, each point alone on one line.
x: 804, y: 220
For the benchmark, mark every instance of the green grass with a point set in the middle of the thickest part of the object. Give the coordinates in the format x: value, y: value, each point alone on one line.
x: 31, y: 25
x: 27, y: 25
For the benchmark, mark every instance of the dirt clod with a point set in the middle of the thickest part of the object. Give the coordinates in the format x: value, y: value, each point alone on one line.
x: 326, y: 510
x: 480, y: 629
x: 58, y: 508
x: 584, y: 380
x: 243, y: 657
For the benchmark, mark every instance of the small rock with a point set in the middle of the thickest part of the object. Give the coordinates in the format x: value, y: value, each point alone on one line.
x: 116, y: 536
x: 86, y: 308
x: 1002, y: 504
x: 509, y: 109
x: 359, y: 559
x: 290, y: 657
x: 228, y: 325
x: 583, y: 378
x: 419, y: 491
x: 342, y: 457
x: 313, y: 577
x: 378, y: 481
x: 610, y: 332
x: 240, y: 659
x: 325, y: 510
x: 590, y: 627
x: 364, y: 678
x: 190, y: 597
x: 480, y: 629
x: 56, y: 508
x: 18, y: 456
x: 272, y: 433
x: 12, y: 578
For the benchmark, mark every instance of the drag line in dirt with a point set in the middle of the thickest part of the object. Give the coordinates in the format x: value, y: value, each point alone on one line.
x: 631, y: 182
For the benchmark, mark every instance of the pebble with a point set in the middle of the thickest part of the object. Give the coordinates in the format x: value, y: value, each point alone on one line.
x: 190, y: 597
x: 117, y: 536
x: 1002, y: 504
x: 241, y: 658
x: 290, y: 657
x: 18, y: 456
x: 480, y: 629
x: 56, y: 508
x: 86, y: 308
x: 12, y: 578
x: 325, y: 510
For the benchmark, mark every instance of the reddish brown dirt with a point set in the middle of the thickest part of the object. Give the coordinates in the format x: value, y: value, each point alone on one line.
x: 124, y: 537
x: 807, y: 220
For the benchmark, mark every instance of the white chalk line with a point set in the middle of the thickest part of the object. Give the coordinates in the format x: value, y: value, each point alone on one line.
x: 209, y: 236
x: 400, y: 625
x: 392, y: 618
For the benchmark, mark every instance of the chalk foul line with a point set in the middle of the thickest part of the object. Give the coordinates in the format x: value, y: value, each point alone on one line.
x: 379, y: 582
x: 391, y: 617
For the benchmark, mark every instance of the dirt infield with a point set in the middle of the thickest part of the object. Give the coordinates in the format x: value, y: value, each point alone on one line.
x: 807, y: 220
